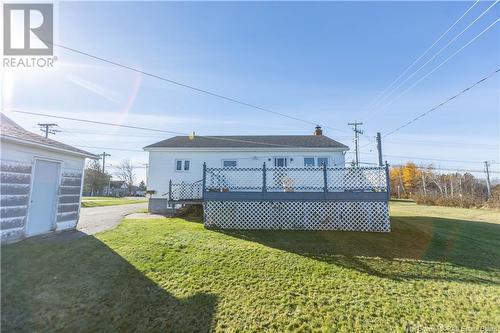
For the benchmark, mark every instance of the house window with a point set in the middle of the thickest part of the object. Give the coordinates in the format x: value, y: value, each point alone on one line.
x: 181, y: 165
x: 308, y: 161
x: 323, y: 161
x: 229, y: 164
x: 280, y: 162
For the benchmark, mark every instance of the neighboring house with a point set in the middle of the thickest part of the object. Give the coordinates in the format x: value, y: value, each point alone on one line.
x: 117, y: 188
x: 41, y: 183
x: 181, y: 158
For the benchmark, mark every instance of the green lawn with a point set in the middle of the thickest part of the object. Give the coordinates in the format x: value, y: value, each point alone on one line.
x: 109, y: 201
x: 439, y: 268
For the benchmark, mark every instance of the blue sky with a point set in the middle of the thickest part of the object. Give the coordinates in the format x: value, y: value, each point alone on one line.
x: 325, y: 62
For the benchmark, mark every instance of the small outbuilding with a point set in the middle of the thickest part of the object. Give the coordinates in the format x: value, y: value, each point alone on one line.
x: 41, y: 183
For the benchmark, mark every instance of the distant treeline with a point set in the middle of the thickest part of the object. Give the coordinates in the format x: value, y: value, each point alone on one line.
x: 427, y: 186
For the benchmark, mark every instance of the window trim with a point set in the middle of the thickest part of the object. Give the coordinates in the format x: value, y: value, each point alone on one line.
x: 183, y: 164
x: 286, y: 159
x: 230, y: 160
x: 313, y: 160
x: 326, y: 158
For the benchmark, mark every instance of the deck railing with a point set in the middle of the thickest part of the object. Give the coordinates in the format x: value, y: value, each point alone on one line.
x: 309, y: 179
x: 265, y: 180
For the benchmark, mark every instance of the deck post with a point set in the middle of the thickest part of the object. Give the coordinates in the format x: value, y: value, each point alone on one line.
x: 264, y: 185
x: 387, y: 181
x: 325, y: 180
x: 170, y: 190
x: 204, y: 182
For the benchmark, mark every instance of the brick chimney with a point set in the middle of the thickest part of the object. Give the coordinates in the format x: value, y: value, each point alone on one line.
x: 318, y: 130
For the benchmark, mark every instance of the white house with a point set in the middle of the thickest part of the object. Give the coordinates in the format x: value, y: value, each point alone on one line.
x: 41, y: 183
x: 180, y: 159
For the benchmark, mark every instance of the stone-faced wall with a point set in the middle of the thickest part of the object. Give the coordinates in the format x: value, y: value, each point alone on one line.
x: 69, y: 199
x: 15, y: 191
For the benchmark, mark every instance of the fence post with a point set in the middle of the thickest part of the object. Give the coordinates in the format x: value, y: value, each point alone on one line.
x: 388, y: 181
x: 264, y: 185
x: 204, y: 182
x: 170, y: 190
x: 325, y: 180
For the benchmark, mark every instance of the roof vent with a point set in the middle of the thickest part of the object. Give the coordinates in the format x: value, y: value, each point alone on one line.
x: 318, y: 130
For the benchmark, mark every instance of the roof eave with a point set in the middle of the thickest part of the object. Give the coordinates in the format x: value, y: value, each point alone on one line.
x: 149, y: 148
x: 49, y: 147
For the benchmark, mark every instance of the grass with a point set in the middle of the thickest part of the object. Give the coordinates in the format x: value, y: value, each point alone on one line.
x: 109, y: 201
x: 438, y: 268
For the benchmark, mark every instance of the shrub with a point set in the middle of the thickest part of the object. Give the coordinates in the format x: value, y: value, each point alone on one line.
x: 456, y: 201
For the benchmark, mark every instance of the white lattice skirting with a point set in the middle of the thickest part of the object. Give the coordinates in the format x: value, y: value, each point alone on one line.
x: 298, y: 215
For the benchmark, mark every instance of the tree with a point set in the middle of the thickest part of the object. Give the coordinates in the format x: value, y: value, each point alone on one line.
x: 142, y: 185
x: 126, y: 174
x: 410, y: 177
x: 95, y: 180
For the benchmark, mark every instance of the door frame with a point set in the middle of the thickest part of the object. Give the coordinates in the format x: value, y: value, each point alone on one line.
x: 54, y: 209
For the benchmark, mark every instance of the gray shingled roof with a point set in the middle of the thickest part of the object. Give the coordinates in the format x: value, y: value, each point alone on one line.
x: 250, y: 141
x: 9, y: 129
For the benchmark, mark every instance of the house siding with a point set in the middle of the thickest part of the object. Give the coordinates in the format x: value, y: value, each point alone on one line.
x: 16, y: 174
x: 162, y: 164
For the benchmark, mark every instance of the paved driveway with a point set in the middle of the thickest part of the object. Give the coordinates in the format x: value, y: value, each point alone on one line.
x: 97, y: 219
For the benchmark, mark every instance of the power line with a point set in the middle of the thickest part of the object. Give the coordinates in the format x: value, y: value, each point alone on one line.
x: 440, y: 51
x: 433, y: 159
x: 444, y: 143
x: 95, y: 122
x: 376, y: 101
x: 184, y: 85
x: 109, y: 148
x: 97, y: 132
x: 150, y: 129
x: 448, y: 169
x: 441, y: 64
x: 441, y: 104
x: 424, y: 158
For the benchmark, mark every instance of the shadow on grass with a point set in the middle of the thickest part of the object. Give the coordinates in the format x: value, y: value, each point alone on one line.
x: 467, y: 251
x: 83, y: 285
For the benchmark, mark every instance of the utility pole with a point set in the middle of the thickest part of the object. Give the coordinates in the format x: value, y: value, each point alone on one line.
x: 104, y: 154
x: 379, y: 149
x: 47, y: 129
x: 357, y: 132
x: 488, y: 184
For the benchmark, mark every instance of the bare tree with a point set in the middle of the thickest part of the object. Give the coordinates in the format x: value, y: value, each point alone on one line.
x: 126, y: 174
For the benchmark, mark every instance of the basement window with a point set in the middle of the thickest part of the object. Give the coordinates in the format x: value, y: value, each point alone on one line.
x: 229, y: 163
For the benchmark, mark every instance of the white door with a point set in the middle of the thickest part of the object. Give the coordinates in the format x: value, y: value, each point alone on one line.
x: 43, y: 199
